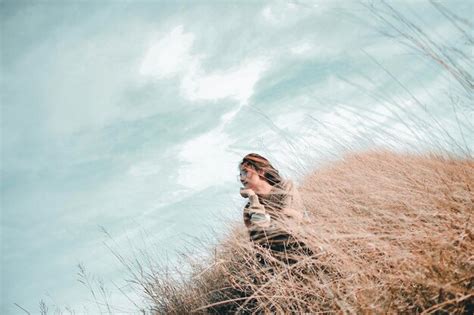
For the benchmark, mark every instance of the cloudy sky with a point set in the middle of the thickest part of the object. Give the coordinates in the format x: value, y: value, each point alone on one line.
x: 133, y: 115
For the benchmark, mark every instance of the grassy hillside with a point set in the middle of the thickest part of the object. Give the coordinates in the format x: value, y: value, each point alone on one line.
x: 390, y: 233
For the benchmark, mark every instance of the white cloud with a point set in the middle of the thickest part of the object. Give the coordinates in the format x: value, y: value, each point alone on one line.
x: 207, y: 162
x: 170, y: 55
x: 268, y: 15
x: 237, y: 82
x: 301, y: 48
x: 280, y: 13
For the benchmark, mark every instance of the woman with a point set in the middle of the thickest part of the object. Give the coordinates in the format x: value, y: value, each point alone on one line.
x: 274, y: 209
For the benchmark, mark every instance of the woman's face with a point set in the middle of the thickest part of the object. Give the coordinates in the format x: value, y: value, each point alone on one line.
x: 249, y: 177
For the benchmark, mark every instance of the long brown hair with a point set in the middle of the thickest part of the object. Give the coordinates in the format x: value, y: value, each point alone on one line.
x: 258, y: 162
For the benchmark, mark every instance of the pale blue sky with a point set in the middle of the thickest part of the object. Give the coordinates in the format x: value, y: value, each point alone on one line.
x: 134, y: 115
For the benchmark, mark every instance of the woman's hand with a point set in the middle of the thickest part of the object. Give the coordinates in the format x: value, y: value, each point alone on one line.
x: 247, y: 192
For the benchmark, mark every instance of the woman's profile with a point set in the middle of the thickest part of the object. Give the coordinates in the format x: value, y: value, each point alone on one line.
x: 274, y: 208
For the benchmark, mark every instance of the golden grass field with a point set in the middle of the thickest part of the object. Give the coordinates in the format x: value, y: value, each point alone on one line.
x: 390, y: 232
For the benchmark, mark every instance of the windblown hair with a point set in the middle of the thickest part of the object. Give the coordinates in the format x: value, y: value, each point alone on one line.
x: 258, y: 162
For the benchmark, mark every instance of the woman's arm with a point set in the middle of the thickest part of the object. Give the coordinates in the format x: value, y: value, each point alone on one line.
x: 292, y: 207
x: 255, y: 214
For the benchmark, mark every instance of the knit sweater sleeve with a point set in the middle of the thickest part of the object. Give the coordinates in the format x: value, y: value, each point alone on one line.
x: 255, y: 215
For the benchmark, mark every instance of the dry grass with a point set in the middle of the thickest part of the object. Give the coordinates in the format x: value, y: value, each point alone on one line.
x: 390, y: 232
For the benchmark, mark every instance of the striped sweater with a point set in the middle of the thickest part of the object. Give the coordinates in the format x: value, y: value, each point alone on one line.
x: 268, y: 217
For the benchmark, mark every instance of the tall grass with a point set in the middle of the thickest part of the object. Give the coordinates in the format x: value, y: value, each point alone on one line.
x: 389, y: 232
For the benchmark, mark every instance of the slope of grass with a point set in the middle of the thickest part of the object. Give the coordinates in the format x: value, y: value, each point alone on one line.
x: 390, y: 232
